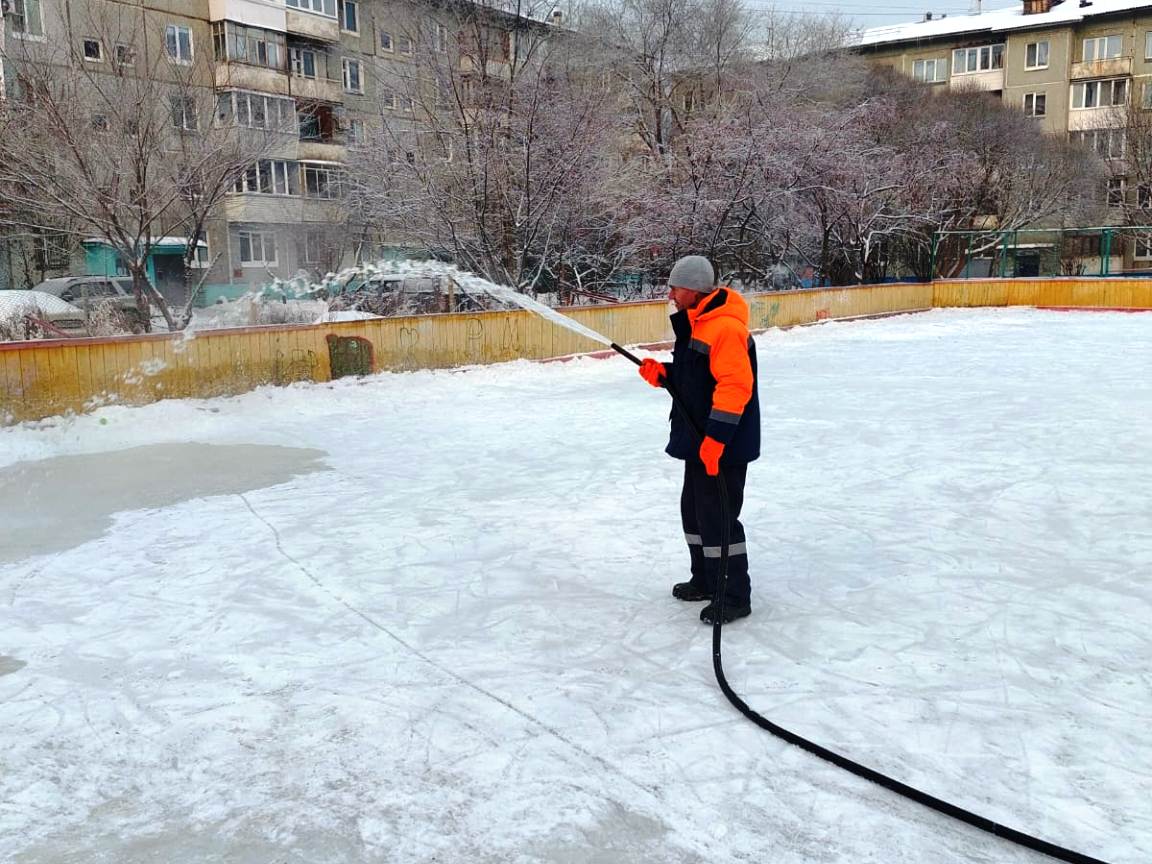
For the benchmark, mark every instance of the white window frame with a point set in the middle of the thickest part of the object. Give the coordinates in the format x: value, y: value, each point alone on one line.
x: 296, y: 64
x: 388, y: 100
x: 186, y: 106
x: 327, y: 8
x: 342, y: 7
x: 938, y: 66
x: 1107, y: 143
x: 124, y: 55
x: 439, y: 37
x: 32, y: 14
x: 1034, y: 101
x: 263, y: 238
x: 201, y: 257
x: 1142, y: 247
x: 1034, y: 49
x: 350, y: 85
x: 982, y: 57
x: 1148, y: 45
x: 1081, y: 89
x: 269, y: 177
x: 333, y: 180
x: 91, y: 40
x: 313, y: 247
x: 172, y: 34
x: 1100, y: 48
x: 401, y: 42
x: 279, y: 111
x: 1116, y: 184
x: 356, y: 131
x: 391, y: 46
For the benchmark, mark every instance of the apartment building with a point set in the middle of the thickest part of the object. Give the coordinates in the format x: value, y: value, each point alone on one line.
x: 317, y: 76
x: 1078, y: 67
x: 1069, y: 64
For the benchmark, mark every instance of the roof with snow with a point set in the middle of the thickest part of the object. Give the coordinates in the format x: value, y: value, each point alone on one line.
x: 996, y: 20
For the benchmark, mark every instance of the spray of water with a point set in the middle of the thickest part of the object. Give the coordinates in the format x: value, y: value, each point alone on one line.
x: 469, y: 282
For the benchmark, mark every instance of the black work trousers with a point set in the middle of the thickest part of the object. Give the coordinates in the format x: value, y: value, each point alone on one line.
x: 700, y: 515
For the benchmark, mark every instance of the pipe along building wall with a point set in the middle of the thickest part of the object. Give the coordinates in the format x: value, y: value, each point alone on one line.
x: 48, y: 378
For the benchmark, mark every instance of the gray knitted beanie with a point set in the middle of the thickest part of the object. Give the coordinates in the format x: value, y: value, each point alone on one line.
x: 694, y: 273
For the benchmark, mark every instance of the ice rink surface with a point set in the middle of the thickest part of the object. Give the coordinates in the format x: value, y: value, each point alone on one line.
x: 426, y: 617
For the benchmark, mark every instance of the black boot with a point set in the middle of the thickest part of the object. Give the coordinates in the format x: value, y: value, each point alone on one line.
x: 691, y: 593
x: 732, y: 611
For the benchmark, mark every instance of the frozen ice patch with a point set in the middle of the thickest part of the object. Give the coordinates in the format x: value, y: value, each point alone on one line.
x: 58, y: 503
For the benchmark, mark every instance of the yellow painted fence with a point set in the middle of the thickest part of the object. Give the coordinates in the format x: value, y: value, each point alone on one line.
x: 43, y: 379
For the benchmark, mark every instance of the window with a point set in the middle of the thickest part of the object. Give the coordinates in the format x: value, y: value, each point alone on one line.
x: 1143, y: 246
x: 1036, y: 55
x: 353, y: 82
x: 1144, y: 196
x: 1035, y: 104
x: 1100, y: 94
x: 320, y: 7
x: 256, y: 111
x: 404, y: 44
x: 257, y: 248
x: 1148, y: 45
x: 93, y: 51
x: 1102, y: 48
x: 252, y: 45
x: 269, y: 177
x: 1116, y: 188
x: 440, y: 38
x: 313, y: 247
x: 200, y: 257
x: 183, y: 112
x: 966, y: 61
x: 303, y: 62
x: 407, y: 103
x: 386, y: 41
x: 930, y: 71
x: 388, y: 100
x: 321, y: 180
x: 356, y: 132
x: 178, y: 43
x: 349, y: 14
x: 125, y: 55
x: 27, y: 18
x: 1105, y: 143
x: 99, y: 123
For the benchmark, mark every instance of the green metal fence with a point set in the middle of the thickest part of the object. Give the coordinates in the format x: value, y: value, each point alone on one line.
x: 1113, y: 250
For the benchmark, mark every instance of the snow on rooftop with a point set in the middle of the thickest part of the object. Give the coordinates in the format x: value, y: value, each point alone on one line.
x: 996, y: 20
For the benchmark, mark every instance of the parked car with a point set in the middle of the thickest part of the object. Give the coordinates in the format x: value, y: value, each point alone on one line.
x: 88, y: 291
x: 22, y: 312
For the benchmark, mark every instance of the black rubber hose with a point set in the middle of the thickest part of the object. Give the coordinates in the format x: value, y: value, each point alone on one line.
x: 939, y: 805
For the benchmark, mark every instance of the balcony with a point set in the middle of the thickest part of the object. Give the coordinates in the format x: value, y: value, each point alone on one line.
x: 984, y: 82
x: 312, y: 26
x: 316, y: 89
x: 321, y: 151
x: 241, y: 76
x: 1116, y: 67
x: 254, y: 13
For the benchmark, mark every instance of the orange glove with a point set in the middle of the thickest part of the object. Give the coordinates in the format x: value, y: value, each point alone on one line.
x: 710, y: 452
x: 652, y: 371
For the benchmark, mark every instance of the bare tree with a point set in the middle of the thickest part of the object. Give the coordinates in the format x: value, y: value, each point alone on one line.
x: 502, y: 159
x: 126, y: 150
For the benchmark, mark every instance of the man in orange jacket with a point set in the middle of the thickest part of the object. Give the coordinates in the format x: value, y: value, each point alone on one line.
x: 713, y: 370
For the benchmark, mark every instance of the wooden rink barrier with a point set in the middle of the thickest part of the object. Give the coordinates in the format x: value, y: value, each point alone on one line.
x: 48, y: 378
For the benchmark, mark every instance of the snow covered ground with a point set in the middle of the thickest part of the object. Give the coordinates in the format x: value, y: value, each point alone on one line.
x: 426, y: 617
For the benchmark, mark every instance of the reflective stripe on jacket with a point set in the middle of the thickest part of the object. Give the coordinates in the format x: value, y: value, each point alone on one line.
x: 713, y: 369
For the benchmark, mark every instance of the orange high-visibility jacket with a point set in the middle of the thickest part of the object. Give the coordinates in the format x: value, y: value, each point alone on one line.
x: 713, y: 369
